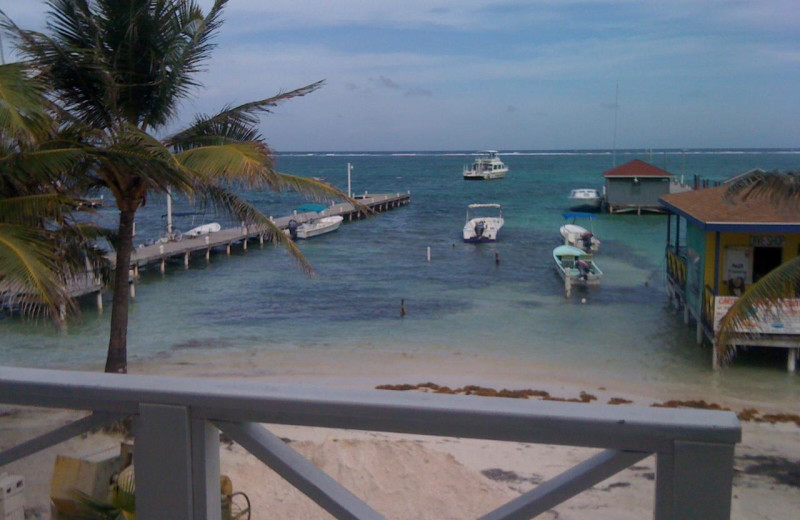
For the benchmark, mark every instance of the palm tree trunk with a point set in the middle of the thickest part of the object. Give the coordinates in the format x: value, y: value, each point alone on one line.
x: 117, y: 358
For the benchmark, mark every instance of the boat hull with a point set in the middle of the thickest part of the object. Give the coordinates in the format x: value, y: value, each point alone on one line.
x: 485, y: 176
x: 585, y: 199
x: 318, y: 227
x: 205, y: 229
x: 586, y: 204
x: 491, y: 227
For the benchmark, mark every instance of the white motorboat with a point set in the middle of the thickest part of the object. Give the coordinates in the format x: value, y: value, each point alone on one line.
x: 315, y: 225
x: 485, y: 226
x: 578, y: 236
x: 576, y: 266
x: 487, y: 167
x: 585, y: 199
x: 205, y: 229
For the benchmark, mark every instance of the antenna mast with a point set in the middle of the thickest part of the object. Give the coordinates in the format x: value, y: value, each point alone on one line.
x: 616, y: 110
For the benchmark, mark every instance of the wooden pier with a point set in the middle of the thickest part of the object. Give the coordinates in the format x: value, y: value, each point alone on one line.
x: 161, y: 253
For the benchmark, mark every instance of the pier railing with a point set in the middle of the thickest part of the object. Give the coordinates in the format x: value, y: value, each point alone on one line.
x: 177, y: 423
x: 676, y: 266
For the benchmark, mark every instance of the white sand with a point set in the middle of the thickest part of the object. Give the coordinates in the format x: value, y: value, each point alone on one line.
x: 415, y: 477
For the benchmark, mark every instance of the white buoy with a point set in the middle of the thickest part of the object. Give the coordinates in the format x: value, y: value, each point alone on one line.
x: 429, y: 253
x: 583, y: 300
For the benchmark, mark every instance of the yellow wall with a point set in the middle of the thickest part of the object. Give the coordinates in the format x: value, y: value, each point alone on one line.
x: 791, y: 243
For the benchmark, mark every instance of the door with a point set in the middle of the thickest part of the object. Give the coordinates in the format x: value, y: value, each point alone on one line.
x: 765, y: 259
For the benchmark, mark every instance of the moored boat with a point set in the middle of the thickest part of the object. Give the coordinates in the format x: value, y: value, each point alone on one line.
x: 315, y: 225
x: 485, y: 226
x: 204, y: 229
x: 576, y: 266
x: 585, y: 199
x: 578, y: 236
x: 487, y: 167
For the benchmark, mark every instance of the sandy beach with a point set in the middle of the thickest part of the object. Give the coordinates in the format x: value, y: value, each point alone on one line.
x: 418, y: 477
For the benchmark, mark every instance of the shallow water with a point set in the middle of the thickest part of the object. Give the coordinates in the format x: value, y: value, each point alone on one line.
x: 461, y: 301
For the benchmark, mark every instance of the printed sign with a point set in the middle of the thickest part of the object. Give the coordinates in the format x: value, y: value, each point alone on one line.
x: 738, y: 265
x: 766, y: 240
x: 783, y: 318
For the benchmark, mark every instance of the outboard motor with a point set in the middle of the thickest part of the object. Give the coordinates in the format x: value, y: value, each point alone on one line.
x: 293, y: 229
x: 583, y: 269
x: 480, y: 227
x: 586, y: 238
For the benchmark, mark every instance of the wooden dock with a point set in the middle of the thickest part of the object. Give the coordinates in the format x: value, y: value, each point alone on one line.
x: 161, y: 254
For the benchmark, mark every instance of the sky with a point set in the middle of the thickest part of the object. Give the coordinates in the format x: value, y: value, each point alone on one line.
x: 505, y: 75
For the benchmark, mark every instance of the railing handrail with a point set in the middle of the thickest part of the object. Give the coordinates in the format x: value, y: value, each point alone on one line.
x: 177, y: 418
x: 517, y: 420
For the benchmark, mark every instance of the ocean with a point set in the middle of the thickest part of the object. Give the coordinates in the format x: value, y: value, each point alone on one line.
x: 461, y: 301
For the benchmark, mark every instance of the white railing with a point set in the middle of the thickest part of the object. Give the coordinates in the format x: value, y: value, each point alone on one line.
x: 176, y: 422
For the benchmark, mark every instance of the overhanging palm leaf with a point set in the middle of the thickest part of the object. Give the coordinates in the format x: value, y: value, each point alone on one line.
x: 44, y: 164
x: 241, y: 117
x: 23, y: 113
x: 782, y: 188
x: 227, y: 201
x: 29, y: 267
x: 32, y: 210
x: 781, y: 282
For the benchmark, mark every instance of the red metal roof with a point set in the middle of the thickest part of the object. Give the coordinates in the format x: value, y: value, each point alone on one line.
x: 637, y: 168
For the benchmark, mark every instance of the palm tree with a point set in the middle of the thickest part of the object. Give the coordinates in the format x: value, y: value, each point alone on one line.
x: 122, y: 68
x: 42, y: 248
x: 782, y: 189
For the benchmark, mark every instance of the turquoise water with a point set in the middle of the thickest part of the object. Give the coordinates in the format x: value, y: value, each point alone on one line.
x: 459, y: 301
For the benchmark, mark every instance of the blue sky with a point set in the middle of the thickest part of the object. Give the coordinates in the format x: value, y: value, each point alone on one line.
x: 507, y: 75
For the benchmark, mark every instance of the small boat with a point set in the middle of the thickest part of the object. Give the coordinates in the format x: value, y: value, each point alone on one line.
x: 576, y: 266
x: 487, y: 167
x: 585, y: 199
x: 483, y: 228
x: 578, y: 236
x: 205, y: 229
x: 315, y: 225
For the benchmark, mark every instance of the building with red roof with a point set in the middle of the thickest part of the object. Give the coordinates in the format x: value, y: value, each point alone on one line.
x: 636, y: 186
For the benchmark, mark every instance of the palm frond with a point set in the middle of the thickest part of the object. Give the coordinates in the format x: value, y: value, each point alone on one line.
x: 135, y: 158
x: 190, y: 48
x: 42, y: 166
x: 244, y: 115
x: 781, y: 188
x: 23, y: 105
x: 29, y: 267
x: 248, y: 164
x: 782, y: 282
x: 318, y: 190
x: 226, y: 201
x: 33, y: 210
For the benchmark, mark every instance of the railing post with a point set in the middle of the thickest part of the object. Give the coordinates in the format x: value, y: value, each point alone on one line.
x: 694, y: 481
x: 205, y: 471
x: 163, y: 463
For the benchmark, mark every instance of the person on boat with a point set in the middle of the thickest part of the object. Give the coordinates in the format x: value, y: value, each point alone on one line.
x: 583, y: 269
x: 586, y: 238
